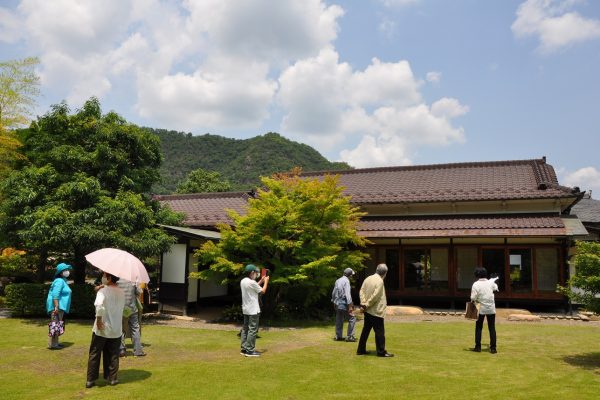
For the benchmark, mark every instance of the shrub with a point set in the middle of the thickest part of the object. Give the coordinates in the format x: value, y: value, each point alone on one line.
x: 233, y: 314
x: 29, y: 300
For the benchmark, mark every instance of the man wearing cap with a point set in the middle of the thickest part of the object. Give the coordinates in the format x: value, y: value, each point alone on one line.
x: 251, y: 308
x: 344, y: 307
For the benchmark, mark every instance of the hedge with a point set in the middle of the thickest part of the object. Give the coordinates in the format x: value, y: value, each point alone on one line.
x: 29, y: 300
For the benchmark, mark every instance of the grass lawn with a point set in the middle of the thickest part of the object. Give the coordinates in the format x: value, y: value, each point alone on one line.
x: 534, y: 361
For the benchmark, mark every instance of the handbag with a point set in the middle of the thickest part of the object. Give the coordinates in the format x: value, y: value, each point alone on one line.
x: 56, y: 327
x: 471, y: 311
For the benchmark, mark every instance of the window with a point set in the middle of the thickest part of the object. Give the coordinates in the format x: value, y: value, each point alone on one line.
x: 426, y: 269
x: 547, y: 265
x: 439, y: 268
x: 520, y: 270
x: 466, y: 261
x: 392, y: 279
x: 493, y: 261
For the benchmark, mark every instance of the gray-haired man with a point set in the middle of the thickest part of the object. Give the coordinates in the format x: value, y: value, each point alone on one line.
x: 344, y: 307
x: 374, y: 303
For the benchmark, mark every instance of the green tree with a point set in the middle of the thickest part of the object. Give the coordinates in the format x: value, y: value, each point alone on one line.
x: 82, y: 188
x: 302, y: 230
x: 19, y: 87
x: 202, y: 181
x: 584, y: 285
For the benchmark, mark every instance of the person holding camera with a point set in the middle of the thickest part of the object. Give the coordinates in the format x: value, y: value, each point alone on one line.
x: 342, y: 302
x: 251, y: 308
x: 482, y: 292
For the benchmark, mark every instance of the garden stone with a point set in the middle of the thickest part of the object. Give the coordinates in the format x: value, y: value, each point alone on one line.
x: 524, y: 317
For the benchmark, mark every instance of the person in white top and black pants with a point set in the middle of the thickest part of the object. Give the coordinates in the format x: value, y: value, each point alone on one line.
x: 482, y: 292
x: 107, y: 331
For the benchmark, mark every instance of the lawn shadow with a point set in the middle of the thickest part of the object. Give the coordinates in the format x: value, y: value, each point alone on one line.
x: 589, y: 361
x: 132, y: 375
x: 44, y: 322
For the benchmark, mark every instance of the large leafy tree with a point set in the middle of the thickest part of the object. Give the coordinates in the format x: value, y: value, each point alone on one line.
x: 82, y: 188
x: 19, y: 87
x: 302, y: 230
x: 584, y: 285
x: 202, y: 181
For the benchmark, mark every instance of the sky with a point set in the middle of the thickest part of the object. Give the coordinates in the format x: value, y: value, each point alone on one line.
x: 369, y: 82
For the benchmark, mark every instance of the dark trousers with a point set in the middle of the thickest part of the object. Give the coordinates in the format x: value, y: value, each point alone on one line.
x: 491, y: 321
x: 109, y: 350
x: 375, y: 323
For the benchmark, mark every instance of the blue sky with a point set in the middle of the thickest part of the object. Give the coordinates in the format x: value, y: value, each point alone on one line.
x: 370, y: 82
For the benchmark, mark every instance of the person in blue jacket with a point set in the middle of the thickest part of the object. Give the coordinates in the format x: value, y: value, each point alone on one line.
x: 58, y: 302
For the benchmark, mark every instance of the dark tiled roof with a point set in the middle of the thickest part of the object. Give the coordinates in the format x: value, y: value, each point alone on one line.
x: 587, y: 209
x: 500, y: 180
x: 206, y: 209
x: 463, y: 226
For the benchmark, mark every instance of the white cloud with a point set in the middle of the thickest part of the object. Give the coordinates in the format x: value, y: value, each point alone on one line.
x: 433, y: 77
x: 448, y: 108
x: 266, y: 29
x: 555, y: 26
x: 327, y: 103
x: 223, y: 94
x: 587, y: 178
x: 10, y: 30
x: 223, y: 64
x: 199, y: 64
x: 380, y: 151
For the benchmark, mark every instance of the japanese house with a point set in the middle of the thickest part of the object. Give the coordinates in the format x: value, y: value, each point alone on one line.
x: 433, y: 224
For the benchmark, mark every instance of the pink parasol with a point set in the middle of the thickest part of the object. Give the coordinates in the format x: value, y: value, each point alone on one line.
x: 119, y: 263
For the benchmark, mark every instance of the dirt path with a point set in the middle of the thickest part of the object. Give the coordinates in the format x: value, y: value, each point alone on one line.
x: 206, y: 318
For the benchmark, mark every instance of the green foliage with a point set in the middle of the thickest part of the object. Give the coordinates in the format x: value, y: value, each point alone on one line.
x: 241, y: 162
x: 29, y: 300
x: 19, y: 86
x: 83, y: 188
x: 201, y: 181
x: 584, y: 286
x: 13, y: 263
x: 303, y: 230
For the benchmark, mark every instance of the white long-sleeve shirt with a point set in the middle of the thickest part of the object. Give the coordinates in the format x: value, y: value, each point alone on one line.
x: 109, y: 303
x: 482, y: 292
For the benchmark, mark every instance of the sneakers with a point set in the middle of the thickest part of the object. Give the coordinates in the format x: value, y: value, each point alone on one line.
x: 90, y: 384
x: 493, y: 351
x: 350, y: 339
x: 339, y: 339
x: 242, y: 352
x: 386, y: 354
x: 113, y: 383
x: 252, y: 354
x: 142, y: 354
x: 476, y: 349
x: 361, y: 353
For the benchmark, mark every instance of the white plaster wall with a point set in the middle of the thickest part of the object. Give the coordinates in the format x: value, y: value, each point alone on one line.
x: 174, y: 264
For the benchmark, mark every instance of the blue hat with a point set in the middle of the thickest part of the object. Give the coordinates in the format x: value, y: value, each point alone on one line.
x: 250, y: 268
x: 62, y: 267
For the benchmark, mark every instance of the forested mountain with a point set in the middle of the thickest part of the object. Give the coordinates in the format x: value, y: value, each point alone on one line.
x: 240, y: 161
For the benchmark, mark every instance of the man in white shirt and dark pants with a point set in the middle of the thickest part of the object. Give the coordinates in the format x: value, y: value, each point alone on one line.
x: 251, y: 309
x: 482, y: 292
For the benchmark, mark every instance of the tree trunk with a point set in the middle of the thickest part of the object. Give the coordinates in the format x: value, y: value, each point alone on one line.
x: 79, y: 264
x: 41, y: 266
